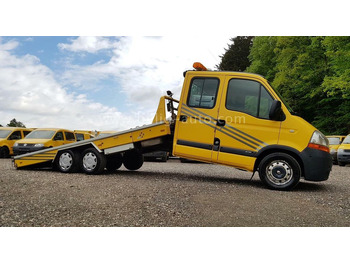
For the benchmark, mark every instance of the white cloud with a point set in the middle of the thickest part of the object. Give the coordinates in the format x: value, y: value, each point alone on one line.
x: 143, y: 68
x: 146, y: 67
x: 90, y: 44
x: 8, y: 45
x: 30, y: 93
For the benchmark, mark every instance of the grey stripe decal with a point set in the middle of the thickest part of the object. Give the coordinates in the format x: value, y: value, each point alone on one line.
x: 229, y: 126
x: 232, y: 135
x: 208, y: 123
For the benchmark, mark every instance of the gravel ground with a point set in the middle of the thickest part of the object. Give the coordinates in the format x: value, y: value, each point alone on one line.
x: 168, y: 194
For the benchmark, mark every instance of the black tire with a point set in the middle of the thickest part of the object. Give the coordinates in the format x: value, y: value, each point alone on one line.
x: 68, y: 161
x: 114, y: 162
x: 93, y: 162
x: 164, y: 159
x: 279, y: 171
x: 4, y: 152
x: 341, y: 163
x: 133, y: 160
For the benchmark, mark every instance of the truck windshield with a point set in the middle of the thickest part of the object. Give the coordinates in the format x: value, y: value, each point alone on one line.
x: 41, y: 134
x: 4, y: 133
x: 347, y: 140
x: 334, y: 140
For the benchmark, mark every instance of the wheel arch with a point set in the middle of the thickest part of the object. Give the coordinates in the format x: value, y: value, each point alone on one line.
x: 278, y: 149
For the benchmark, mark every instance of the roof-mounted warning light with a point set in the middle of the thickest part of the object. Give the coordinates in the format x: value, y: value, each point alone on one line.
x: 199, y: 67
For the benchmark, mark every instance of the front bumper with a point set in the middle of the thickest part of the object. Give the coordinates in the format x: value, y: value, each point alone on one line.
x: 344, y: 157
x: 20, y: 150
x: 317, y: 164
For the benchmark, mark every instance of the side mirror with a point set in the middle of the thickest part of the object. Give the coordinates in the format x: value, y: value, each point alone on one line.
x: 276, y: 112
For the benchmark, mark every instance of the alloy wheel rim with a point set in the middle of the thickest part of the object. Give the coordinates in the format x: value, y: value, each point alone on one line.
x: 90, y: 161
x: 66, y: 161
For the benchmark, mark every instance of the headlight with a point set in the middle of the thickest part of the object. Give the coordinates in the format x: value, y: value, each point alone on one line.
x: 319, y: 141
x: 15, y: 144
x: 340, y: 150
x: 39, y: 145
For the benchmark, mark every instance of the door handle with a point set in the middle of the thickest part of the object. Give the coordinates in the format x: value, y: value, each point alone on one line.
x: 221, y: 122
x: 183, y: 118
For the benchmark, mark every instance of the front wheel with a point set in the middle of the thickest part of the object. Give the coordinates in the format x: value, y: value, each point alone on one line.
x: 279, y: 171
x: 93, y: 162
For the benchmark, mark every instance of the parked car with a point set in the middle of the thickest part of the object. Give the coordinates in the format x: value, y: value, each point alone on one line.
x: 156, y: 155
x: 42, y: 138
x: 8, y: 137
x: 334, y: 143
x: 343, y: 155
x: 83, y: 134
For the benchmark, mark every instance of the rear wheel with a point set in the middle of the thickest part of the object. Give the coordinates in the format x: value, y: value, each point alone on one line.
x: 4, y: 152
x: 114, y: 162
x: 93, y: 162
x: 68, y: 161
x: 279, y: 171
x: 133, y: 160
x: 341, y: 163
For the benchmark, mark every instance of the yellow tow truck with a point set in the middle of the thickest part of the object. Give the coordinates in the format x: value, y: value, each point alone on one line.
x: 230, y: 118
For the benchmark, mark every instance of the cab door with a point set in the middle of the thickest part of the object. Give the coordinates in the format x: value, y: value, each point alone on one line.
x: 195, y: 124
x: 245, y: 125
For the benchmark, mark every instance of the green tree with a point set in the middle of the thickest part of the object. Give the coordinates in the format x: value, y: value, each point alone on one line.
x: 15, y: 123
x: 311, y: 73
x: 236, y: 56
x: 262, y: 57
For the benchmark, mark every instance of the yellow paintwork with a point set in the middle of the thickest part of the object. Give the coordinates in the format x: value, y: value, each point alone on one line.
x: 242, y: 131
x: 344, y: 146
x: 112, y: 140
x: 7, y: 142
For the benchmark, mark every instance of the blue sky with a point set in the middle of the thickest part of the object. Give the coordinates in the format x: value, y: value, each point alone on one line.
x: 104, y: 83
x: 46, y: 49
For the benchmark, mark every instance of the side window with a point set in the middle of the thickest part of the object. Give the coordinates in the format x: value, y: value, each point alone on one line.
x: 79, y: 136
x: 58, y: 136
x: 249, y: 97
x: 69, y: 136
x: 265, y: 103
x: 203, y: 92
x: 15, y: 135
x: 26, y: 133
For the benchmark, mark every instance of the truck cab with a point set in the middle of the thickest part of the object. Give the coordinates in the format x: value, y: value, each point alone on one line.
x: 238, y: 119
x: 8, y: 137
x: 43, y: 138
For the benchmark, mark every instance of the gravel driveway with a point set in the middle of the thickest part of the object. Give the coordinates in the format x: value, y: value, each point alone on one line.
x: 168, y: 194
